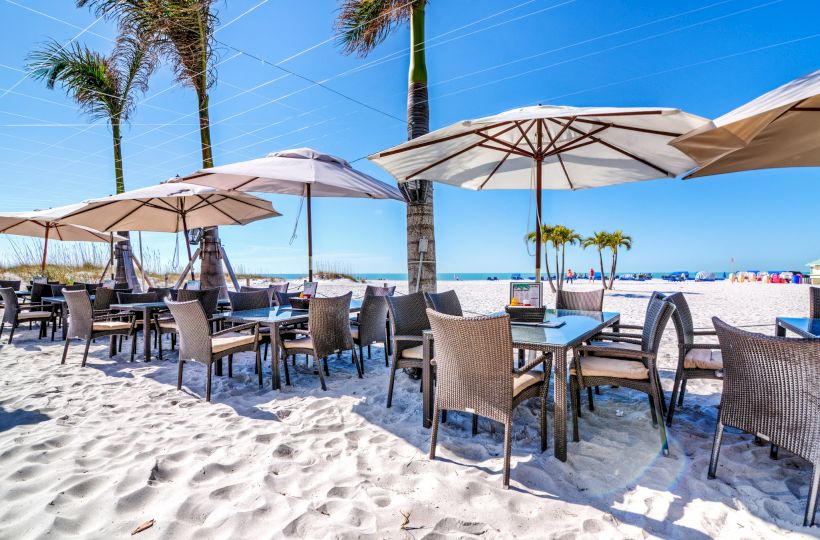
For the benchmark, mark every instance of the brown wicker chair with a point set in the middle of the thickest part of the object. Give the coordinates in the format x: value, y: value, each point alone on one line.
x: 84, y: 324
x: 408, y: 320
x: 580, y: 300
x: 163, y: 292
x: 283, y: 298
x: 474, y: 374
x: 198, y: 343
x: 595, y: 365
x: 10, y: 283
x: 814, y: 302
x: 695, y: 360
x: 771, y: 389
x: 243, y: 301
x: 328, y: 332
x: 446, y: 302
x: 370, y: 325
x: 15, y: 313
x: 208, y: 298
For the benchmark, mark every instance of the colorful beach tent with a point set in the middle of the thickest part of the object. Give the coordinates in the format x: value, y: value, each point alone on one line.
x: 547, y: 147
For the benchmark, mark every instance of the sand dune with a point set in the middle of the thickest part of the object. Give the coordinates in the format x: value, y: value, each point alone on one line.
x: 95, y: 452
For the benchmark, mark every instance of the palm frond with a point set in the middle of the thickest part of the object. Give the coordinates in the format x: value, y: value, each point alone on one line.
x: 364, y: 24
x: 136, y: 59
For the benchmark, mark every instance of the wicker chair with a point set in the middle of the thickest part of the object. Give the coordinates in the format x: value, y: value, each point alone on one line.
x: 243, y: 301
x: 770, y: 389
x: 137, y: 298
x: 480, y: 379
x: 83, y: 324
x: 38, y: 291
x: 814, y: 302
x: 208, y: 299
x: 162, y: 292
x: 408, y: 320
x: 15, y: 313
x: 596, y: 365
x: 580, y: 300
x: 695, y: 360
x: 283, y: 298
x: 370, y: 325
x: 122, y: 286
x: 199, y: 344
x: 328, y: 332
x: 13, y: 284
x: 103, y: 298
x: 268, y: 290
x: 446, y: 302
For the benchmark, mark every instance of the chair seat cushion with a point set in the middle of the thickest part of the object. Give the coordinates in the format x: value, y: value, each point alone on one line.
x: 414, y: 353
x: 107, y: 326
x: 302, y: 343
x: 703, y: 359
x: 601, y: 366
x: 616, y: 345
x: 26, y: 315
x: 525, y: 380
x: 230, y: 340
x: 354, y: 331
x: 169, y: 324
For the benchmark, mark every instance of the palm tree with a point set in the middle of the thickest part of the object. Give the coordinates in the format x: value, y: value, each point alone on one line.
x: 616, y: 240
x: 363, y: 25
x: 106, y: 88
x: 561, y: 236
x: 546, y: 237
x: 601, y: 241
x: 183, y: 32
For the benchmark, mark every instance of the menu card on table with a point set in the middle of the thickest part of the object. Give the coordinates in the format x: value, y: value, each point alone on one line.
x: 525, y: 294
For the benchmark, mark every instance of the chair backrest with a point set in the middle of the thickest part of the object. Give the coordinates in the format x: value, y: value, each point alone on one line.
x: 446, y: 302
x: 40, y: 280
x: 310, y: 288
x: 771, y: 386
x: 268, y: 290
x: 580, y: 300
x: 657, y: 315
x: 10, y: 307
x: 373, y: 315
x: 91, y: 288
x: 104, y: 297
x: 280, y: 287
x: 38, y: 291
x: 56, y: 290
x: 136, y: 298
x: 10, y: 283
x: 162, y: 292
x: 682, y: 318
x: 814, y: 302
x: 526, y: 313
x: 242, y: 301
x: 80, y: 314
x: 408, y: 314
x: 194, y: 331
x: 473, y: 364
x: 329, y: 324
x: 283, y: 298
x: 209, y: 298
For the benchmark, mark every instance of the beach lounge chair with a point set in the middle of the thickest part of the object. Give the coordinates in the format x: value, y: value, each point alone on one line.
x: 15, y: 313
x: 769, y: 389
x: 481, y: 380
x: 814, y: 302
x: 84, y: 324
x: 408, y: 320
x: 695, y: 360
x: 370, y: 325
x: 635, y: 368
x: 328, y: 333
x: 197, y: 342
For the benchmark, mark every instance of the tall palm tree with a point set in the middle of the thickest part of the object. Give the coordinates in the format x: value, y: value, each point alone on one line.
x: 183, y: 32
x: 363, y: 25
x: 601, y: 241
x: 617, y: 240
x: 546, y: 237
x: 561, y: 237
x: 105, y: 87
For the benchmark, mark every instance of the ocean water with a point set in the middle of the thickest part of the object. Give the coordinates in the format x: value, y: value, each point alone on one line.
x: 472, y: 276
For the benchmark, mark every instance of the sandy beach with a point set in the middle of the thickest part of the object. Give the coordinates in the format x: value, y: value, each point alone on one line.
x: 95, y: 452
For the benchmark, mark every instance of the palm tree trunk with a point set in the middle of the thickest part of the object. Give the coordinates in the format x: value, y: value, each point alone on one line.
x: 419, y: 193
x: 601, y: 259
x: 563, y: 262
x: 547, y: 267
x: 123, y: 263
x: 614, y: 265
x: 559, y: 281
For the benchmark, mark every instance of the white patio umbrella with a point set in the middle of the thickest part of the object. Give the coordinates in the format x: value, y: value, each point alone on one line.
x: 301, y: 171
x: 778, y: 129
x: 547, y: 147
x: 171, y: 207
x: 44, y: 224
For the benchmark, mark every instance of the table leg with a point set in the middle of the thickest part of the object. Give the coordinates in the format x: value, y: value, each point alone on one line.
x: 274, y: 356
x: 146, y: 334
x: 779, y: 331
x: 428, y: 395
x: 560, y: 397
x: 112, y: 346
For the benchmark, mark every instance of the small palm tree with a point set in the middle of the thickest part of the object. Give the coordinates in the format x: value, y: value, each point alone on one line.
x: 600, y: 240
x: 362, y: 26
x: 617, y: 240
x: 106, y: 88
x: 561, y: 237
x: 546, y: 236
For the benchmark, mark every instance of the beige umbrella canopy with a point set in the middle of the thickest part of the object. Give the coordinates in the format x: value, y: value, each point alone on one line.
x: 547, y: 147
x: 44, y: 224
x: 778, y: 129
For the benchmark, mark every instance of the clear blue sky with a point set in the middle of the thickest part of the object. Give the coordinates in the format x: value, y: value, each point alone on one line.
x: 484, y: 56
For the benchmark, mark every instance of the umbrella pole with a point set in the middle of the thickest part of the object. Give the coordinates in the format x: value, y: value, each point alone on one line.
x: 539, y: 160
x: 45, y: 250
x: 111, y: 260
x: 188, y: 247
x: 310, y: 236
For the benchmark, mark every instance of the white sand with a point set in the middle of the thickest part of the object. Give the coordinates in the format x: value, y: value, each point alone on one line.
x: 95, y: 452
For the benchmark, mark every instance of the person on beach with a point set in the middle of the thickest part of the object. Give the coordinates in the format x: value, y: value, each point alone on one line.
x: 592, y: 275
x: 570, y: 275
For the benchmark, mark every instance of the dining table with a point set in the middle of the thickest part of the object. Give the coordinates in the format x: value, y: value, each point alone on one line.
x: 802, y: 326
x: 560, y: 331
x: 275, y: 318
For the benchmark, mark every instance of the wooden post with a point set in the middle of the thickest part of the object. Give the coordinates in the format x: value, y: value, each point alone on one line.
x: 310, y: 235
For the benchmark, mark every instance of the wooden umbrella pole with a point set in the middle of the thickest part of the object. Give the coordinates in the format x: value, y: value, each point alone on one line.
x: 45, y: 250
x: 310, y: 236
x: 539, y: 160
x: 188, y: 246
x: 111, y: 260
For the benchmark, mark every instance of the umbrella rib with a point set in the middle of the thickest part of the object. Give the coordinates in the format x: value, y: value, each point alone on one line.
x: 14, y: 225
x: 243, y: 184
x: 500, y: 163
x: 554, y: 140
x: 524, y: 134
x: 621, y: 151
x: 630, y: 128
x: 121, y: 218
x: 251, y: 202
x: 451, y: 156
x: 806, y: 109
x: 436, y: 141
x: 566, y: 174
x: 505, y: 150
x: 495, y: 139
x: 207, y: 202
x: 57, y: 230
x: 572, y: 145
x: 568, y: 148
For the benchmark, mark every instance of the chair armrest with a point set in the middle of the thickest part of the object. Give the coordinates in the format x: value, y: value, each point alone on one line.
x: 617, y: 336
x: 542, y: 359
x: 297, y: 331
x: 631, y: 326
x: 406, y: 337
x: 626, y: 354
x: 109, y: 316
x: 241, y: 327
x: 705, y: 333
x: 40, y: 305
x: 708, y: 346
